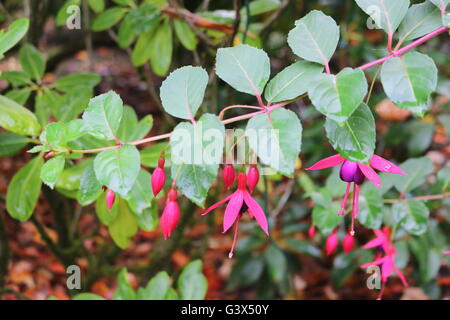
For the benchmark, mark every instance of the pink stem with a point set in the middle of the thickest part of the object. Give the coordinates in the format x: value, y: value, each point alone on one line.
x: 222, y: 113
x: 236, y: 229
x: 442, y: 7
x: 344, y: 202
x: 327, y: 68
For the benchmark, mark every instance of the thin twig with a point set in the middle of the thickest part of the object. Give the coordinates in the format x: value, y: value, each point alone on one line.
x: 421, y: 198
x: 237, y: 4
x: 284, y: 199
x: 266, y: 26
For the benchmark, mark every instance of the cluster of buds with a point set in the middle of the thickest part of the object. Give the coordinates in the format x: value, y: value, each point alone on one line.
x: 332, y: 243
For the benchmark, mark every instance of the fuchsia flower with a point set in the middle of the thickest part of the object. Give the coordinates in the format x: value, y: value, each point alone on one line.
x: 311, y: 232
x: 356, y: 173
x: 158, y: 177
x: 239, y: 202
x: 446, y: 252
x: 387, y: 262
x: 110, y: 198
x: 348, y: 243
x: 332, y: 242
x: 252, y: 177
x: 170, y: 215
x: 228, y: 175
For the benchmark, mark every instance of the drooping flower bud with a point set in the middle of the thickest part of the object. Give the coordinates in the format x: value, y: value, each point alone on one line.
x: 228, y: 175
x: 158, y: 177
x: 170, y: 215
x: 110, y: 198
x: 331, y: 243
x: 311, y: 231
x: 252, y: 177
x: 350, y: 172
x: 348, y: 243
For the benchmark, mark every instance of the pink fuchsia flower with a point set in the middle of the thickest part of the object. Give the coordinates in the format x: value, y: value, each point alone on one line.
x: 171, y: 214
x: 228, y: 175
x: 356, y: 173
x: 110, y: 198
x: 239, y: 202
x: 252, y: 177
x: 158, y: 177
x: 387, y: 262
x: 446, y: 252
x: 311, y: 232
x: 348, y: 243
x: 331, y: 243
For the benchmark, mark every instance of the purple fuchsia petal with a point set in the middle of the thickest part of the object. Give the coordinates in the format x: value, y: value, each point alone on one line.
x: 257, y: 212
x: 370, y: 174
x: 327, y: 162
x: 233, y: 209
x: 215, y: 205
x: 384, y: 165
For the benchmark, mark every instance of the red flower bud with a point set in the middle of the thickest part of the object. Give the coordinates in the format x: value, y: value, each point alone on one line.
x: 171, y: 214
x: 311, y: 231
x: 110, y: 198
x: 348, y: 243
x: 158, y: 177
x: 331, y: 243
x: 228, y: 175
x: 252, y: 177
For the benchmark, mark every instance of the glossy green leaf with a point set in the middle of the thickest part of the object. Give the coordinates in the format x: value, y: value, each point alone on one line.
x: 156, y: 288
x: 12, y: 36
x: 130, y: 128
x: 315, y: 37
x: 192, y: 283
x: 421, y: 19
x: 243, y: 67
x: 17, y: 119
x: 338, y: 96
x: 124, y: 227
x: 140, y: 196
x: 90, y: 187
x: 183, y: 90
x: 23, y: 190
x: 355, y: 139
x: 276, y: 139
x: 76, y: 81
x: 370, y: 210
x: 32, y: 61
x: 412, y: 216
x: 150, y: 155
x: 69, y: 181
x: 196, y: 152
x: 148, y: 219
x: 417, y: 170
x: 409, y: 80
x: 103, y: 114
x: 185, y: 34
x: 292, y: 82
x: 10, y: 143
x: 387, y: 14
x: 108, y: 18
x: 161, y: 49
x: 118, y: 168
x: 143, y: 18
x: 326, y: 218
x: 52, y: 170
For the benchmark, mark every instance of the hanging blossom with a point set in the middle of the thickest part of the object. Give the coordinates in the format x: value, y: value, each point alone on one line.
x: 383, y: 242
x: 356, y: 173
x: 446, y: 252
x: 239, y: 202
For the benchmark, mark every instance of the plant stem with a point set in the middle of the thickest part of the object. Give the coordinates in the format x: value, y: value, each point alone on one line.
x: 421, y: 198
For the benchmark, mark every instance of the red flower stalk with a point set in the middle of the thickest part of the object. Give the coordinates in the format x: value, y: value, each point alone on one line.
x: 170, y: 215
x: 387, y: 262
x: 252, y: 177
x: 158, y: 177
x: 110, y: 198
x: 348, y: 243
x: 332, y: 242
x: 356, y: 173
x: 228, y: 175
x: 239, y: 202
x: 311, y: 231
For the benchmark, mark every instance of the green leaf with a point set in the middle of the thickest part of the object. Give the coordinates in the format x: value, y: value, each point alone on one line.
x: 150, y: 155
x: 144, y: 18
x: 156, y: 288
x: 338, y: 96
x: 12, y: 36
x: 15, y: 78
x: 69, y: 181
x: 192, y: 283
x: 196, y: 153
x: 438, y: 3
x: 421, y: 136
x: 23, y: 190
x: 124, y: 227
x: 10, y: 143
x: 276, y: 263
x: 412, y: 216
x: 64, y: 13
x: 118, y: 168
x: 261, y: 6
x: 387, y: 14
x: 421, y: 19
x: 303, y: 247
x: 17, y: 119
x: 108, y: 18
x: 130, y: 3
x: 183, y: 90
x: 243, y: 67
x: 161, y: 49
x: 370, y: 206
x: 140, y: 196
x: 292, y: 82
x: 19, y: 95
x: 59, y: 134
x: 87, y: 296
x: 148, y: 219
x: 97, y: 5
x: 444, y: 119
x: 417, y: 170
x: 105, y: 215
x: 52, y: 169
x: 185, y: 34
x: 355, y: 139
x: 443, y: 177
x: 409, y: 80
x: 32, y: 61
x: 326, y: 218
x: 76, y: 81
x: 124, y: 290
x: 315, y: 37
x: 276, y: 139
x: 142, y: 49
x: 125, y: 35
x: 90, y: 188
x: 130, y: 129
x: 103, y: 114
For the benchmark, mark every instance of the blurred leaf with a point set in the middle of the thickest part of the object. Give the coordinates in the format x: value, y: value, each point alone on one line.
x: 185, y: 34
x: 421, y: 137
x: 65, y: 12
x: 276, y: 263
x: 12, y: 36
x: 32, y: 62
x: 17, y: 119
x: 97, y: 5
x: 76, y: 81
x: 123, y: 227
x: 19, y: 95
x: 90, y: 188
x: 156, y: 288
x: 142, y: 49
x: 124, y: 290
x: 412, y: 216
x: 444, y: 119
x: 108, y: 18
x: 87, y: 296
x: 417, y: 170
x: 52, y: 170
x: 150, y: 155
x: 326, y: 219
x: 192, y: 283
x: 10, y: 143
x: 141, y: 195
x: 303, y: 247
x: 370, y: 214
x: 143, y: 18
x: 105, y: 215
x: 161, y: 49
x: 15, y: 78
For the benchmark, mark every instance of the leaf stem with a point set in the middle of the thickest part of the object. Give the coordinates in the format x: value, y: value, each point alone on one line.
x: 421, y: 198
